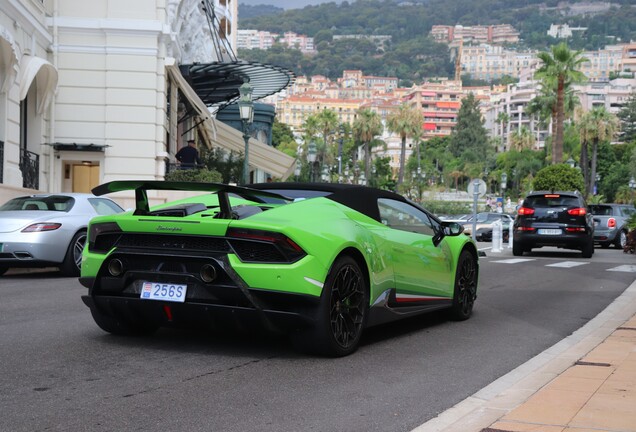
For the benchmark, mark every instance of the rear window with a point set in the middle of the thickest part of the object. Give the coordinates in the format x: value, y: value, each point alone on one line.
x: 551, y: 200
x: 50, y: 203
x: 601, y: 210
x: 104, y: 207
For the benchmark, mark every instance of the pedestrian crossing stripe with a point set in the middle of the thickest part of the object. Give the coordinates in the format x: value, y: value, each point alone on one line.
x: 567, y: 264
x: 514, y: 260
x: 624, y: 268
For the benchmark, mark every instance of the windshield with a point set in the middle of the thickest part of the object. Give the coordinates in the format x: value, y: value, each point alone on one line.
x: 49, y: 203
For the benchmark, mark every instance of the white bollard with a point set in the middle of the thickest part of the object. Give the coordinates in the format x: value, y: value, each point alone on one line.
x: 497, y: 236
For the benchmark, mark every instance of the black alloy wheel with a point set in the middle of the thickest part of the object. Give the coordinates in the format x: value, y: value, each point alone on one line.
x: 73, y: 260
x: 465, y: 287
x: 347, y: 306
x: 342, y: 313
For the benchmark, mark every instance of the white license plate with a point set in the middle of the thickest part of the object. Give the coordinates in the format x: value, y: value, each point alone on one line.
x: 163, y: 291
x: 549, y: 231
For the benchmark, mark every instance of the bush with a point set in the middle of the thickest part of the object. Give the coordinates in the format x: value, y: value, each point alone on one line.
x: 448, y: 207
x: 559, y: 177
x: 194, y: 175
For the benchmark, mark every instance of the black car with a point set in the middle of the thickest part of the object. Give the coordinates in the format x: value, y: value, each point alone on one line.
x: 559, y: 219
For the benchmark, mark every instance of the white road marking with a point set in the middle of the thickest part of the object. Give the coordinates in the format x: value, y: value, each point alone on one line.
x: 567, y: 264
x: 628, y: 268
x: 514, y: 260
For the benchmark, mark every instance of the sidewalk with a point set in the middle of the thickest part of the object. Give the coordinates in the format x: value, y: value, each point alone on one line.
x: 585, y: 383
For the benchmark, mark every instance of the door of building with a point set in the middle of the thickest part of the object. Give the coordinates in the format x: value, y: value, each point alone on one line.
x: 85, y: 177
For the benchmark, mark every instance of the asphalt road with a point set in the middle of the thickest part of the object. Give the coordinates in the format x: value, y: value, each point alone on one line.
x: 60, y: 372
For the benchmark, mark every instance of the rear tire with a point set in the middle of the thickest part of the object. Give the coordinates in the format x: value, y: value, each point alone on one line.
x: 342, y: 312
x: 588, y: 249
x: 621, y: 240
x: 73, y: 259
x: 517, y: 249
x: 121, y: 327
x: 465, y: 291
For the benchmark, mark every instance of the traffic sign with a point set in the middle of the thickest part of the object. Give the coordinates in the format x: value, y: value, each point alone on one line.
x: 481, y: 187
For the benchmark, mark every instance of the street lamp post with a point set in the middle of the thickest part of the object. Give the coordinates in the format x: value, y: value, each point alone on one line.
x: 504, y: 184
x: 598, y: 179
x: 246, y: 112
x: 311, y: 158
x: 297, y: 169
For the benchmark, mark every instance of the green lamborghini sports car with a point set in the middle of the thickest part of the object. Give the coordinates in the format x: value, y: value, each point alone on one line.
x: 321, y: 262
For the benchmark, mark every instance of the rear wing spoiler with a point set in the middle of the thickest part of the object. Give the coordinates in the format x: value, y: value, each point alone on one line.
x: 222, y: 190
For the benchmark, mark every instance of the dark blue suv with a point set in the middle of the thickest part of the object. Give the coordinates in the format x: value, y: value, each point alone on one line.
x: 560, y: 219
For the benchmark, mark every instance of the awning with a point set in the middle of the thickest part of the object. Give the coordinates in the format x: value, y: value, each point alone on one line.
x: 8, y: 59
x: 261, y: 156
x: 45, y: 76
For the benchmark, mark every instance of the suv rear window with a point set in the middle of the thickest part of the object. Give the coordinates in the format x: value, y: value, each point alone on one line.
x: 550, y: 201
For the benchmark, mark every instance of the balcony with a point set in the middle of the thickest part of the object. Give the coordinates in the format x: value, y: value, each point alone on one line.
x: 30, y: 167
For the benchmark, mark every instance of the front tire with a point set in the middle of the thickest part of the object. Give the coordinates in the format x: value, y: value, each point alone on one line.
x: 73, y: 259
x: 342, y: 312
x: 465, y: 287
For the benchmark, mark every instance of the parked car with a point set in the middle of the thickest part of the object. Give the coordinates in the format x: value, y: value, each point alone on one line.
x: 321, y: 261
x: 559, y: 219
x: 610, y: 223
x: 484, y: 233
x: 484, y: 220
x: 48, y: 230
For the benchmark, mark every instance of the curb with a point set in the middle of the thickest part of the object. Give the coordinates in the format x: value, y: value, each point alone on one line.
x: 489, y: 404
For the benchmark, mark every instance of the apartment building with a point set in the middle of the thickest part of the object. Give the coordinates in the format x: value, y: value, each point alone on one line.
x: 493, y: 34
x: 489, y: 62
x: 294, y: 110
x: 612, y: 95
x: 514, y: 103
x: 94, y: 91
x: 440, y: 103
x: 603, y: 62
x: 256, y: 39
x: 563, y: 31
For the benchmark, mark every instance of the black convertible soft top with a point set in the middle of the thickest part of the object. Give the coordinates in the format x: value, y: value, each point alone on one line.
x: 363, y: 199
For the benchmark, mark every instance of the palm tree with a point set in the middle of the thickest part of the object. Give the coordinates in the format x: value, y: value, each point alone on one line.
x: 367, y: 125
x: 604, y: 126
x: 584, y: 125
x: 522, y: 139
x: 560, y: 66
x: 406, y: 122
x: 503, y: 118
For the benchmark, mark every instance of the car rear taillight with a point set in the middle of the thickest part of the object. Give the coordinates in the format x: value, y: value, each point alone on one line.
x: 575, y: 229
x: 525, y: 211
x: 43, y: 226
x: 252, y: 245
x: 524, y: 228
x: 577, y: 212
x: 611, y: 223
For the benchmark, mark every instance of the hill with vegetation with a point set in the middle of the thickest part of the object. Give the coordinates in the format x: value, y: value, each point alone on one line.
x: 412, y: 54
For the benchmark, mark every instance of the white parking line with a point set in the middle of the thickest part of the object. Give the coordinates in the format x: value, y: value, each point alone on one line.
x: 513, y: 260
x: 567, y: 264
x: 628, y: 268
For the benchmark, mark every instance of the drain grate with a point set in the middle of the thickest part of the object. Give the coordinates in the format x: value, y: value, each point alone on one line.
x: 584, y: 363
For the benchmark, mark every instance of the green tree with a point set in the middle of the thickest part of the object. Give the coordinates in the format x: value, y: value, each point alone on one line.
x: 281, y: 134
x: 522, y: 139
x: 406, y: 122
x: 559, y: 177
x: 366, y: 126
x: 561, y: 67
x: 469, y: 139
x: 603, y: 126
x: 627, y: 117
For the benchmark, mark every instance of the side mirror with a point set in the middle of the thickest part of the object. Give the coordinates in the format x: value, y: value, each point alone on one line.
x: 447, y: 229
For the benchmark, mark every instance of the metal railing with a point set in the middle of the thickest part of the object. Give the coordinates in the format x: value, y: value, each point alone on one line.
x: 1, y: 161
x: 30, y: 167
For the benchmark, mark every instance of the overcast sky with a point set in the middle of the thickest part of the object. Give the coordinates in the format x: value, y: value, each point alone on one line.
x: 288, y: 4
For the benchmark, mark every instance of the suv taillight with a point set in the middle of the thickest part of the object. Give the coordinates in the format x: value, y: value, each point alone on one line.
x: 611, y: 223
x: 525, y: 211
x: 577, y: 212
